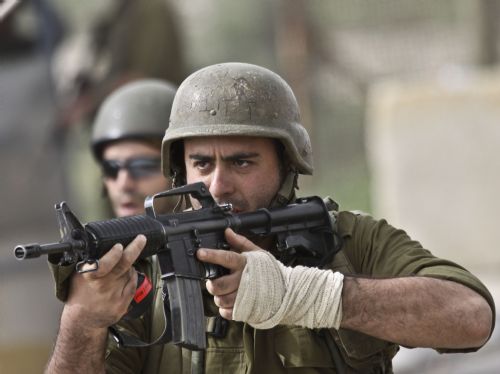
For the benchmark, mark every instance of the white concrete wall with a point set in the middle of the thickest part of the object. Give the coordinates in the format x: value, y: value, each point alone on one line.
x: 434, y: 152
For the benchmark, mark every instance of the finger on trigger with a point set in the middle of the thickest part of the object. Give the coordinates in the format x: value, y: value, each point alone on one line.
x: 238, y: 242
x: 228, y: 259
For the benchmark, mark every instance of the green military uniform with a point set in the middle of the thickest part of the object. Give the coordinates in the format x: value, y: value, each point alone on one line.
x: 236, y: 99
x: 280, y: 349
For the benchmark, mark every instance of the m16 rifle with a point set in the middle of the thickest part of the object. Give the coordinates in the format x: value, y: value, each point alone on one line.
x: 303, y: 232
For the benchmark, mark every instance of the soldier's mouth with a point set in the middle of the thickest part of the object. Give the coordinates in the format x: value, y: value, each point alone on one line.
x: 130, y: 208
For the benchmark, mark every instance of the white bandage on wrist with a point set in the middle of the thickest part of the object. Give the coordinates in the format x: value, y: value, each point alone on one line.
x: 271, y: 294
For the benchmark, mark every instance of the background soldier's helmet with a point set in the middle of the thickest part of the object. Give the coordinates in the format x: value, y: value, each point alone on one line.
x: 137, y: 110
x: 240, y: 100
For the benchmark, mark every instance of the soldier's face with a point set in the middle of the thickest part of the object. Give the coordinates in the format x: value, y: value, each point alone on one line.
x: 243, y: 171
x: 131, y: 171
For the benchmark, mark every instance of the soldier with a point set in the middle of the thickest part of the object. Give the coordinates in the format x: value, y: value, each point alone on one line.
x: 236, y: 127
x: 126, y: 142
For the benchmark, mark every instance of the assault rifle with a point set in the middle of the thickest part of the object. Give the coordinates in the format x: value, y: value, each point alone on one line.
x: 303, y: 233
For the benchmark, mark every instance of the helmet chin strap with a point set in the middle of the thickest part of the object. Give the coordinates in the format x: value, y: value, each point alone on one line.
x: 286, y: 193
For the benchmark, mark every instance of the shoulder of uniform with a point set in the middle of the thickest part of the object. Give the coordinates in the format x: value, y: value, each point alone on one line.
x: 346, y: 221
x: 359, y: 212
x: 333, y: 208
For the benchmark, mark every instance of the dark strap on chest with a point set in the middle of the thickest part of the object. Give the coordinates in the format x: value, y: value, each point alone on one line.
x: 184, y: 316
x: 131, y: 341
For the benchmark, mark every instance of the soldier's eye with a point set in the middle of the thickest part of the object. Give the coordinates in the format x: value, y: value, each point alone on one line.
x: 242, y: 163
x: 201, y: 164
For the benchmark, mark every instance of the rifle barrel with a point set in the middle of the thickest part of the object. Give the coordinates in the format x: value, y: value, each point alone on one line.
x: 23, y: 252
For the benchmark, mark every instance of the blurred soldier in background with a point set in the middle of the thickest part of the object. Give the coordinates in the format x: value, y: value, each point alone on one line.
x: 126, y: 142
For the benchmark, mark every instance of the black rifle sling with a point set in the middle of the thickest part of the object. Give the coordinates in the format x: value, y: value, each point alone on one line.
x: 131, y: 341
x: 183, y: 312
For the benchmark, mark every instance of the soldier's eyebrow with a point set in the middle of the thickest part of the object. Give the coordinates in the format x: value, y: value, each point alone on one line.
x: 233, y: 157
x: 240, y: 156
x: 200, y: 157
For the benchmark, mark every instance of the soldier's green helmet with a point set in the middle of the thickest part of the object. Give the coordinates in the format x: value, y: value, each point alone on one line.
x: 137, y: 110
x: 237, y: 99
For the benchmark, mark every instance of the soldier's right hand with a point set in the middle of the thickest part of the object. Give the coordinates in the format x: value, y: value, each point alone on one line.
x: 98, y: 299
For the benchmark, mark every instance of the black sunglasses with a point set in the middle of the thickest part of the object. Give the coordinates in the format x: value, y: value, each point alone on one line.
x: 140, y: 167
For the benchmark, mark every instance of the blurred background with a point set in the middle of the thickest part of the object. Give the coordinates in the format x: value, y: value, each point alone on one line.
x: 401, y: 99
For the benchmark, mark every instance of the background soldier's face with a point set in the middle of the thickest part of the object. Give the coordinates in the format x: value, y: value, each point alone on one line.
x: 131, y: 171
